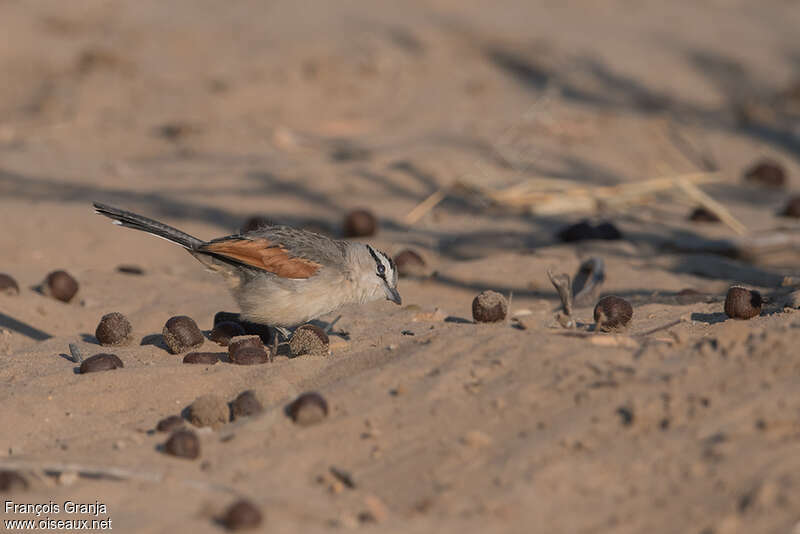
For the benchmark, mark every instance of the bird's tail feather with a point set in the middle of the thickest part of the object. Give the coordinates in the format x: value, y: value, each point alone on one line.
x: 138, y: 222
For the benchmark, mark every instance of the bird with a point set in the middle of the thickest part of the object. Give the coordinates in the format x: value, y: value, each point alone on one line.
x: 282, y: 276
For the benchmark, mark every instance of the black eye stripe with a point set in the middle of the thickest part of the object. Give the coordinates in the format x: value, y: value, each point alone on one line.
x: 377, y: 262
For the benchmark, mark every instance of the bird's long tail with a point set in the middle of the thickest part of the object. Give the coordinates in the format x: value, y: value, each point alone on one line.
x: 138, y: 222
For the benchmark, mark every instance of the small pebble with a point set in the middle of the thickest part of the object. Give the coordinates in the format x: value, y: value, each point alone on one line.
x: 242, y: 515
x: 8, y: 285
x: 203, y: 358
x: 701, y: 214
x: 742, y: 303
x: 246, y: 404
x: 489, y: 307
x: 613, y: 314
x: 208, y: 410
x: 100, y: 362
x: 60, y: 285
x: 309, y: 339
x: 11, y: 481
x: 183, y: 444
x: 181, y: 334
x: 247, y: 350
x: 224, y: 331
x: 308, y: 409
x: 360, y: 223
x: 254, y: 223
x: 767, y: 172
x: 792, y: 208
x: 113, y: 329
x: 168, y: 424
x: 410, y: 263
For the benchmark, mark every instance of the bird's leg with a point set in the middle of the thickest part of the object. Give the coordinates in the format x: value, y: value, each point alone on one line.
x: 286, y: 333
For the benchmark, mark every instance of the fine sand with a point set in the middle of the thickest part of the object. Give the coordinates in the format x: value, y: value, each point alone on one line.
x: 202, y: 113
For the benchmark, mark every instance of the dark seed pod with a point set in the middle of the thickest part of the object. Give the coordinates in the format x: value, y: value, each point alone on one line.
x: 224, y: 331
x: 767, y: 172
x: 309, y: 339
x: 60, y: 285
x: 742, y: 303
x: 613, y: 314
x: 360, y: 223
x: 168, y: 424
x: 701, y: 214
x: 263, y: 331
x: 489, y: 307
x: 249, y: 356
x: 246, y: 404
x: 130, y: 269
x: 181, y: 334
x: 202, y: 358
x: 100, y: 362
x: 410, y: 263
x: 183, y: 444
x: 113, y: 329
x: 11, y: 481
x: 8, y: 285
x: 308, y: 409
x: 208, y: 410
x: 241, y: 515
x: 792, y: 208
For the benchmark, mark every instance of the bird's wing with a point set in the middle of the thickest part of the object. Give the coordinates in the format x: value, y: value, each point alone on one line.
x: 263, y: 254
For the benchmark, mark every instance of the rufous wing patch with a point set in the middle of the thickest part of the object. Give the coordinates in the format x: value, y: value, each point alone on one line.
x: 262, y: 254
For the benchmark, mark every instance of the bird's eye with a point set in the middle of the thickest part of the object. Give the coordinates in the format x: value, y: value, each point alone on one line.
x: 381, y: 270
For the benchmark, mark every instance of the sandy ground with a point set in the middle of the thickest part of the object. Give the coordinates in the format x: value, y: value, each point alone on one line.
x: 203, y: 113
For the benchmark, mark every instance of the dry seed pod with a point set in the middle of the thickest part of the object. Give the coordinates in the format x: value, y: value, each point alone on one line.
x: 742, y: 303
x: 308, y: 409
x: 224, y: 331
x: 113, y: 329
x: 202, y: 358
x: 183, y: 444
x: 208, y: 410
x: 767, y: 172
x: 168, y: 424
x: 100, y: 362
x: 613, y: 314
x: 247, y: 350
x: 8, y: 285
x: 246, y: 404
x: 309, y: 339
x: 241, y: 515
x: 489, y: 307
x: 181, y: 334
x: 60, y: 285
x: 410, y: 263
x: 360, y: 223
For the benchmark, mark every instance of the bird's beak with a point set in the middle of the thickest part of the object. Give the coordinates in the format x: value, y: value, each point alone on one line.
x: 393, y: 295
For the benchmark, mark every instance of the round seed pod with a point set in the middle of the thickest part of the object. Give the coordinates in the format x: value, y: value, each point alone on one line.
x: 489, y: 307
x: 309, y: 339
x: 742, y: 303
x: 100, y: 362
x: 246, y: 404
x: 247, y: 350
x: 60, y: 285
x: 792, y: 208
x: 241, y: 515
x: 767, y: 172
x: 224, y: 331
x: 208, y: 410
x: 181, y: 334
x: 202, y: 358
x: 168, y: 424
x: 613, y: 314
x: 113, y: 329
x: 410, y: 263
x: 183, y: 444
x: 11, y: 481
x: 8, y: 285
x: 360, y: 223
x: 308, y: 409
